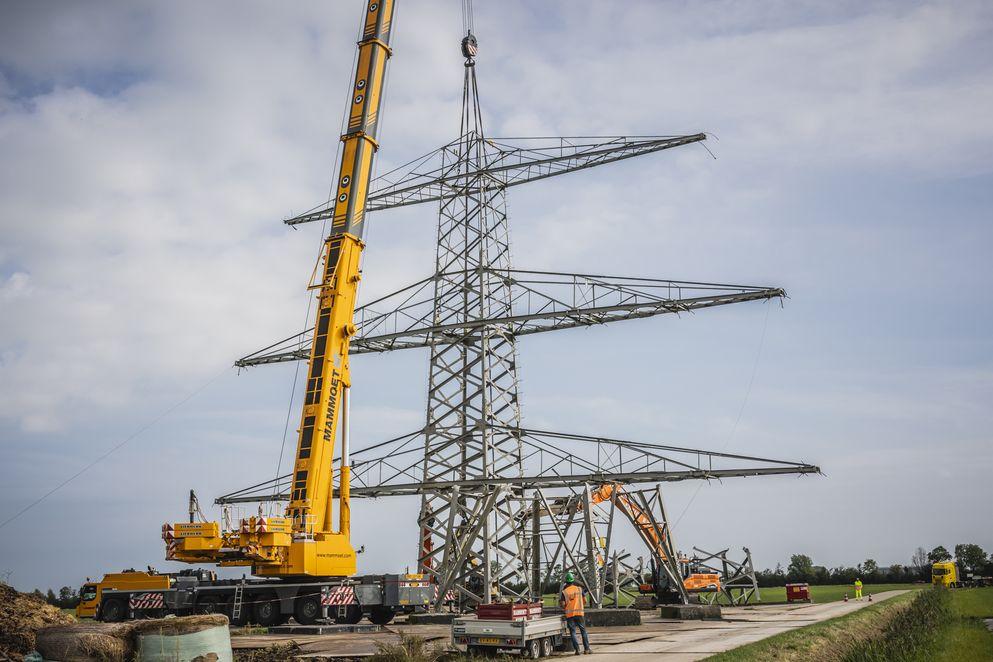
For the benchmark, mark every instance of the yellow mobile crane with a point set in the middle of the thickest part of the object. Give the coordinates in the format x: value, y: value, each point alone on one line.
x: 303, y: 562
x: 305, y: 542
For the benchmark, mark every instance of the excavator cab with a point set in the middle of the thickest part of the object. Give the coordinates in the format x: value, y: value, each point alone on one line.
x: 695, y: 580
x: 660, y: 587
x: 698, y: 578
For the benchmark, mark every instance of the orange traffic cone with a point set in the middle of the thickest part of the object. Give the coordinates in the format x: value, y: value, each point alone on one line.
x: 846, y: 597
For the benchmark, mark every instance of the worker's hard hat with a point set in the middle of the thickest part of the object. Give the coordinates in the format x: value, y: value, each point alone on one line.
x: 569, y: 577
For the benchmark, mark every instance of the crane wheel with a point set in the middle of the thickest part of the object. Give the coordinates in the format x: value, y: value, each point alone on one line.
x: 266, y: 611
x: 209, y: 606
x: 307, y: 609
x: 381, y: 615
x: 113, y: 611
x: 353, y: 614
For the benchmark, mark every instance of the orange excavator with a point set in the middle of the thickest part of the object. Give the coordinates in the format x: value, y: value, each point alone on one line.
x: 658, y: 585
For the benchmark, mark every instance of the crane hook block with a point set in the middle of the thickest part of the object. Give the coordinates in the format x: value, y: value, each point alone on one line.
x: 469, y: 46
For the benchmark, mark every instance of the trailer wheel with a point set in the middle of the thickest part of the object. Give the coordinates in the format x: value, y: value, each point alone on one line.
x: 307, y: 609
x: 266, y: 611
x: 113, y: 611
x: 381, y: 614
x: 547, y: 647
x: 533, y: 649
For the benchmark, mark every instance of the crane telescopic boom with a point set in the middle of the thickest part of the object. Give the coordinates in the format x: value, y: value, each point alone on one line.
x: 305, y: 542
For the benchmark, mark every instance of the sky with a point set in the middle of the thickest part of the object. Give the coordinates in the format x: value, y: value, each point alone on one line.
x: 149, y: 150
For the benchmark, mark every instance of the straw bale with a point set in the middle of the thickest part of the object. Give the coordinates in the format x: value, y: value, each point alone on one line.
x: 86, y: 642
x: 180, y: 625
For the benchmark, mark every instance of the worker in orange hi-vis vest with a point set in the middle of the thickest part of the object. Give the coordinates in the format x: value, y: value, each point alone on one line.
x: 858, y: 588
x: 572, y: 600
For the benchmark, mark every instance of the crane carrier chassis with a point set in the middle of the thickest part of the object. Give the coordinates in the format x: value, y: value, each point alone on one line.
x: 265, y: 602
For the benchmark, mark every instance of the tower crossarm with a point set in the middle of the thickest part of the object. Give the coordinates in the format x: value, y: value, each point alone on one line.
x: 540, y: 301
x: 506, y: 162
x: 551, y: 460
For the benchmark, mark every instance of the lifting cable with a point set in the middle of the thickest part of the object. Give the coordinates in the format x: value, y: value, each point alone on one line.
x: 332, y: 186
x: 467, y: 16
x: 289, y: 407
x: 741, y: 410
x: 381, y: 122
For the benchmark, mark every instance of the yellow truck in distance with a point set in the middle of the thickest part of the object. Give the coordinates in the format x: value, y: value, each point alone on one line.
x: 947, y: 574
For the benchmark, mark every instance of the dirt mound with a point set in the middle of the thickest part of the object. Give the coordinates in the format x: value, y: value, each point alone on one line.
x: 21, y: 616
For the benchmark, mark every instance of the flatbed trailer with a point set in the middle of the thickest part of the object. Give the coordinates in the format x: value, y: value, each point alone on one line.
x: 271, y: 601
x: 534, y: 638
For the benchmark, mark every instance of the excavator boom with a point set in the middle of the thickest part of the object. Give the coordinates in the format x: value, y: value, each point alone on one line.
x: 692, y: 581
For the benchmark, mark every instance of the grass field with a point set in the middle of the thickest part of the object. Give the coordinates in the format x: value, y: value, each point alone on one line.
x: 825, y: 640
x: 958, y: 635
x: 973, y: 603
x: 965, y: 637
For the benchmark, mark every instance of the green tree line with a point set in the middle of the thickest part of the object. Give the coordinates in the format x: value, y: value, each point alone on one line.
x: 67, y: 597
x: 969, y: 556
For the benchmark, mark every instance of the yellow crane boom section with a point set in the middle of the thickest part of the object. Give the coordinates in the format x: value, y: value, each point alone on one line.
x: 305, y: 541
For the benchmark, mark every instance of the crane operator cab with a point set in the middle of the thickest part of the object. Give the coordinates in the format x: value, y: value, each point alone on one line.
x: 88, y: 601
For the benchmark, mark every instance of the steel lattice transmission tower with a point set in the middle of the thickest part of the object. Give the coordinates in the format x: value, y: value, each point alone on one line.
x: 477, y: 471
x: 473, y: 403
